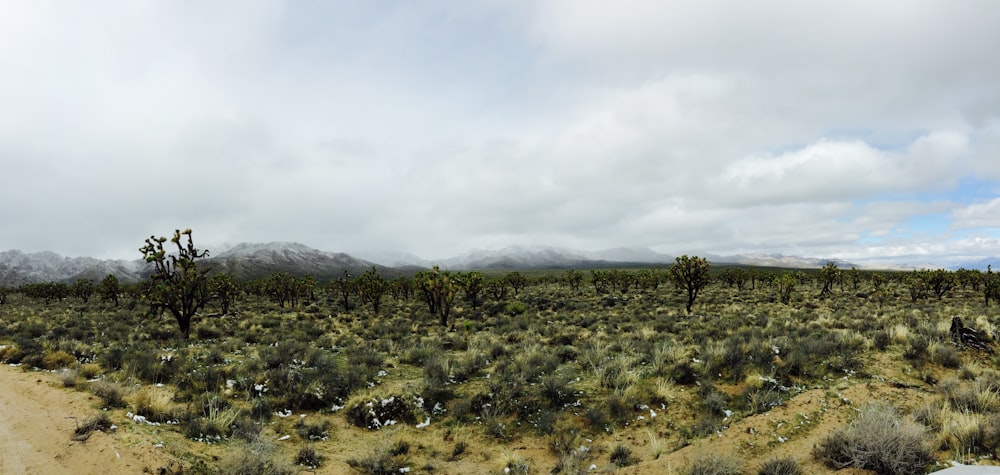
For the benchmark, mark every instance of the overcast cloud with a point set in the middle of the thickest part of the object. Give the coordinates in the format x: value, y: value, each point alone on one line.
x: 848, y: 129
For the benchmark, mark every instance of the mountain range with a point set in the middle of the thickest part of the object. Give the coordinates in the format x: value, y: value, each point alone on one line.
x: 254, y: 260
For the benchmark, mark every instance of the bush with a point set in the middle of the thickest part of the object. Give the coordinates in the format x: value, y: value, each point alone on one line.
x: 99, y: 422
x: 57, y: 359
x: 378, y: 462
x: 877, y: 440
x: 714, y: 464
x: 947, y: 356
x: 154, y: 404
x: 11, y: 354
x: 782, y: 466
x: 256, y: 458
x: 317, y: 431
x: 378, y: 413
x: 621, y: 455
x: 308, y: 457
x: 109, y: 393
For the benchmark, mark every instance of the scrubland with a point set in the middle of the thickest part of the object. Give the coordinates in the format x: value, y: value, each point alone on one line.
x: 549, y: 379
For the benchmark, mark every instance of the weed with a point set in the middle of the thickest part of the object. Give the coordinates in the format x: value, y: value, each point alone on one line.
x: 877, y: 440
x: 255, y: 458
x: 68, y: 377
x: 57, y: 359
x: 377, y: 413
x: 714, y: 464
x: 621, y: 455
x: 459, y: 449
x: 780, y: 466
x: 309, y: 457
x: 378, y: 462
x: 946, y: 355
x: 310, y: 431
x: 154, y: 404
x: 99, y: 422
x: 110, y: 394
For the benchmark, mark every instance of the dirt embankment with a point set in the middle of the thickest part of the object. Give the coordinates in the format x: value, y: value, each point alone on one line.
x: 37, y: 421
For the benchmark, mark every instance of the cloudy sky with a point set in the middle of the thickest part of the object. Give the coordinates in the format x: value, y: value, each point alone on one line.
x: 835, y: 129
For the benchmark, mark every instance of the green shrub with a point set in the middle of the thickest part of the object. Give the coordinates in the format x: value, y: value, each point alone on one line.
x: 377, y: 413
x: 947, y: 356
x: 309, y: 457
x: 378, y: 462
x: 99, y: 422
x: 257, y: 458
x: 312, y: 431
x: 621, y: 455
x: 110, y: 394
x: 57, y: 359
x: 714, y: 464
x: 878, y: 439
x: 780, y: 466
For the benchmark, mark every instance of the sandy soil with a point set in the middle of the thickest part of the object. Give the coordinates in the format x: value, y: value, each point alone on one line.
x: 37, y: 420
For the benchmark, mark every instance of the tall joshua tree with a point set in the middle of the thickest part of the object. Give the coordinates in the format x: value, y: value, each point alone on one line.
x: 690, y: 274
x: 177, y: 284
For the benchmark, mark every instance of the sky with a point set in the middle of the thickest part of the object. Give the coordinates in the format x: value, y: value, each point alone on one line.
x: 858, y: 130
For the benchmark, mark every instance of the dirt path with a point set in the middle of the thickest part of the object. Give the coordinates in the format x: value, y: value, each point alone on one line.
x: 37, y: 420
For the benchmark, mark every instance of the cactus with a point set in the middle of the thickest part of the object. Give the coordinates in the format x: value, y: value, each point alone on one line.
x: 690, y: 274
x: 109, y: 288
x: 438, y: 289
x: 177, y: 284
x: 371, y: 287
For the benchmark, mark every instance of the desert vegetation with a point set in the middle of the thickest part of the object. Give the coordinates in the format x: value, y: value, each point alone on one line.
x: 564, y: 371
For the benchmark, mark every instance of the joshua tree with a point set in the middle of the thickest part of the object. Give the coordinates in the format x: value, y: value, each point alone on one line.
x: 829, y: 275
x: 941, y: 282
x: 516, y: 281
x: 919, y: 284
x: 177, y: 284
x: 472, y: 284
x: 991, y: 286
x: 282, y: 287
x: 371, y: 287
x: 109, y: 288
x: 574, y: 278
x: 438, y: 289
x: 345, y: 285
x: 690, y: 274
x: 786, y: 285
x: 83, y: 289
x: 225, y: 290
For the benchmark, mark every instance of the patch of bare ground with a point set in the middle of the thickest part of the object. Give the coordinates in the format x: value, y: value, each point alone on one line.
x: 790, y: 430
x: 37, y: 430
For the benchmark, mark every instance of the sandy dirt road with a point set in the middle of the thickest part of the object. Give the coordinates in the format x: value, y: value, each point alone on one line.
x: 37, y: 420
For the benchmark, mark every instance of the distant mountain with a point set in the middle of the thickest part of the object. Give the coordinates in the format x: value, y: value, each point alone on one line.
x: 243, y: 261
x: 640, y: 255
x: 977, y: 264
x: 541, y: 257
x: 394, y: 259
x: 778, y: 260
x: 516, y: 257
x: 254, y: 260
x: 18, y: 268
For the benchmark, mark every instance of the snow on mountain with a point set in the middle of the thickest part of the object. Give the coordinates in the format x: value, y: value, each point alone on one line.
x: 642, y: 255
x: 256, y: 260
x: 17, y: 268
x: 975, y: 264
x: 393, y: 259
x: 516, y: 257
x: 778, y: 260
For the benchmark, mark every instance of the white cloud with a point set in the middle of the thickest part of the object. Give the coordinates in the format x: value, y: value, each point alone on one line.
x: 978, y: 215
x: 436, y: 127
